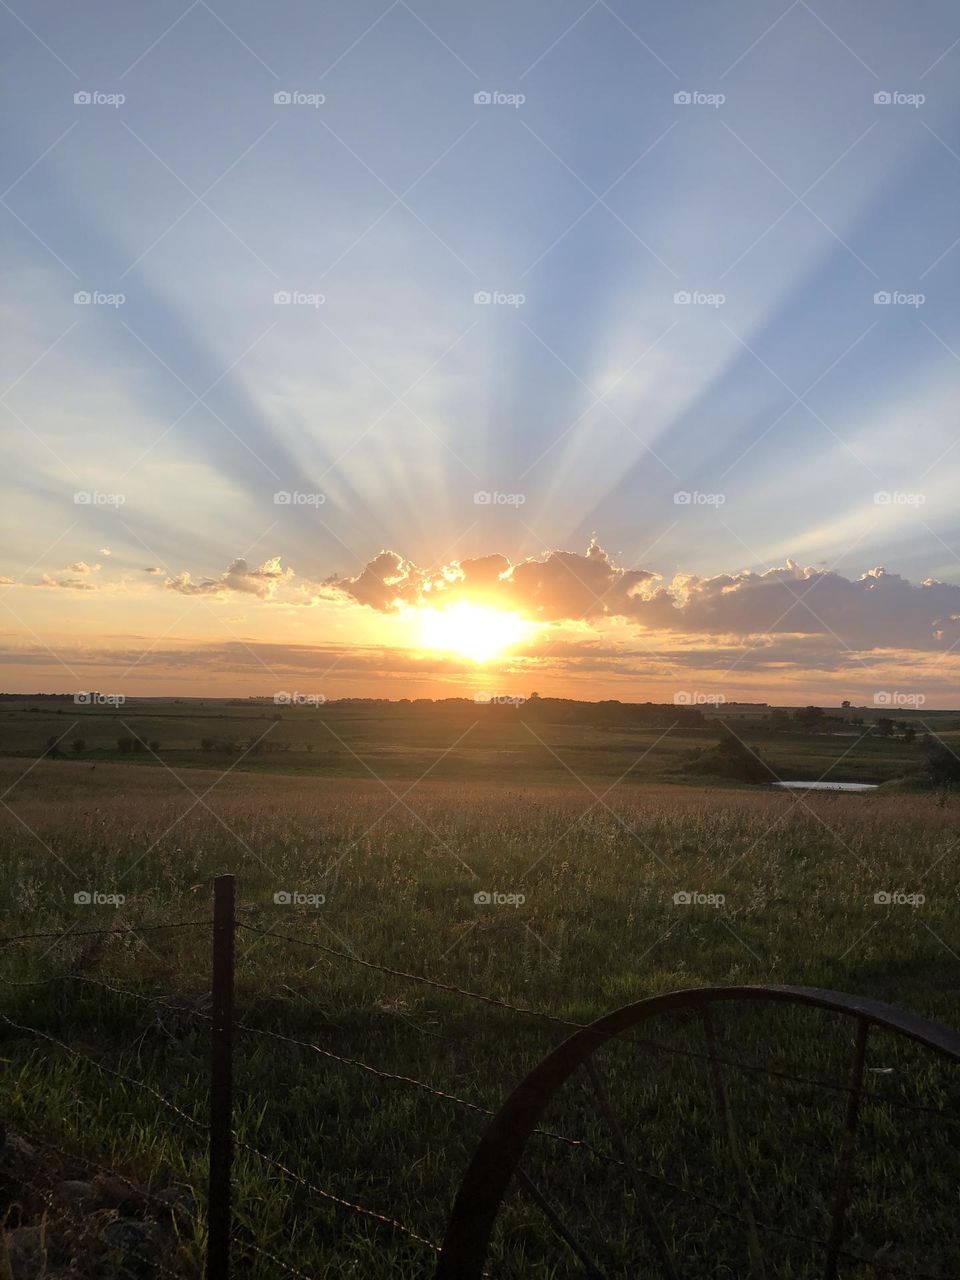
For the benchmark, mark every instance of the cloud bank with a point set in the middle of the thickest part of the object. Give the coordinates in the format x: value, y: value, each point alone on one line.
x: 877, y: 610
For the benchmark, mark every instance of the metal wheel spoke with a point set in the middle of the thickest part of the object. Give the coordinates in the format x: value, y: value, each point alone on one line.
x: 848, y: 1142
x: 733, y: 1145
x: 620, y: 1142
x: 558, y: 1224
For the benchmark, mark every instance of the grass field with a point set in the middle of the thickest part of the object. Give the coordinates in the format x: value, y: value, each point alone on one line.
x: 598, y: 928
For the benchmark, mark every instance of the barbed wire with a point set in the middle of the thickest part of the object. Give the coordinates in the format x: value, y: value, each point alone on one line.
x: 528, y: 1011
x: 333, y: 1197
x: 181, y: 1115
x: 112, y: 928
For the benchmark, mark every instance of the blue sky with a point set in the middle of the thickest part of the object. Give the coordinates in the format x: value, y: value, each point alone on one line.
x: 784, y: 188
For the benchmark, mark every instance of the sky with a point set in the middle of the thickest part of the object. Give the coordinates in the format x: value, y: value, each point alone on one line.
x: 418, y: 349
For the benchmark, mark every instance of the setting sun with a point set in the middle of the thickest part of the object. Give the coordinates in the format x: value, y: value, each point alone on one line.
x: 470, y: 630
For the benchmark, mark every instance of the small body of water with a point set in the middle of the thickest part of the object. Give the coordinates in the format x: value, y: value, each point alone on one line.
x: 828, y: 786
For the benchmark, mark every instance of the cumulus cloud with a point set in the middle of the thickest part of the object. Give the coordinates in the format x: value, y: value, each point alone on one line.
x: 560, y: 585
x: 75, y: 577
x: 877, y: 610
x: 238, y: 576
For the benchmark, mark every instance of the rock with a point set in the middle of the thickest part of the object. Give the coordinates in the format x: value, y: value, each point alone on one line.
x: 24, y: 1252
x: 75, y: 1194
x: 179, y: 1202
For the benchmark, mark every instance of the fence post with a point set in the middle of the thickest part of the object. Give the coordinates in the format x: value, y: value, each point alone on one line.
x: 221, y: 1081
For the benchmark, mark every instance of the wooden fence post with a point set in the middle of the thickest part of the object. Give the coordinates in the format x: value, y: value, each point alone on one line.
x: 221, y: 1081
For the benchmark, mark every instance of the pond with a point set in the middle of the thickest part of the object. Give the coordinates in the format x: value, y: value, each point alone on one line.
x: 828, y: 786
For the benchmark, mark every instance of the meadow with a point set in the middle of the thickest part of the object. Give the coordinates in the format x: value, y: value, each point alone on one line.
x: 397, y: 858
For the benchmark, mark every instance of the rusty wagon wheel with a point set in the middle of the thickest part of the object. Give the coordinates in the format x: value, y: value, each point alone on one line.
x: 497, y: 1160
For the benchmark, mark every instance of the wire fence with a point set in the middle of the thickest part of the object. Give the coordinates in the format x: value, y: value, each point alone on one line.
x: 215, y: 1015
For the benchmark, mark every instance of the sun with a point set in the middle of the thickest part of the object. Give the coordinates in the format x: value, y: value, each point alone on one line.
x: 471, y: 630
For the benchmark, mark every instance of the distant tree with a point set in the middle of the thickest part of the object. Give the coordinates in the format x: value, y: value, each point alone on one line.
x: 939, y: 766
x: 779, y: 719
x: 51, y: 748
x: 731, y: 758
x: 810, y: 719
x: 885, y: 727
x: 845, y: 702
x: 909, y: 733
x: 78, y: 745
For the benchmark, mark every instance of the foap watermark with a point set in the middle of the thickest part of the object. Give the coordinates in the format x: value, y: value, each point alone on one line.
x: 96, y: 298
x: 694, y: 898
x: 897, y: 98
x: 694, y: 698
x: 895, y: 498
x: 494, y: 498
x: 697, y: 298
x: 95, y: 898
x: 294, y: 498
x: 896, y: 698
x: 97, y: 699
x: 94, y: 498
x: 297, y: 98
x: 498, y: 298
x: 491, y: 898
x: 686, y: 498
x: 500, y: 699
x: 294, y: 898
x: 695, y: 98
x: 96, y: 98
x: 897, y: 898
x: 296, y: 699
x: 897, y: 298
x: 297, y: 298
x: 497, y: 98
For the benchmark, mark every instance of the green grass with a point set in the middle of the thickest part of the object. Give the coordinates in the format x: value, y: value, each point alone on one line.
x: 598, y: 929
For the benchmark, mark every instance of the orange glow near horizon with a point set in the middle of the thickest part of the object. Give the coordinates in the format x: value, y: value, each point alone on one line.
x: 470, y: 630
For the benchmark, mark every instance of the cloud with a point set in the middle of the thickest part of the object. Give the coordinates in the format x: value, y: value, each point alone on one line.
x: 878, y: 610
x: 560, y: 585
x: 75, y: 577
x: 105, y: 551
x: 238, y: 576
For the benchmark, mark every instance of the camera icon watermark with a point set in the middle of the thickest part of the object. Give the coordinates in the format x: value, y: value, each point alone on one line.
x: 694, y: 98
x: 95, y: 699
x: 697, y: 298
x: 286, y: 498
x: 495, y: 98
x: 896, y: 98
x: 694, y: 898
x: 895, y: 498
x: 93, y: 498
x: 896, y: 898
x: 296, y: 699
x: 498, y: 298
x: 688, y: 498
x: 491, y: 898
x: 499, y: 699
x: 494, y: 498
x: 694, y: 698
x: 897, y: 698
x: 86, y: 298
x: 294, y: 898
x: 94, y: 98
x: 297, y: 298
x: 94, y: 898
x: 897, y: 298
x: 296, y: 98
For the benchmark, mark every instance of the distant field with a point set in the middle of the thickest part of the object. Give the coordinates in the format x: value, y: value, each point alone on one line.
x: 461, y: 742
x: 598, y: 928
